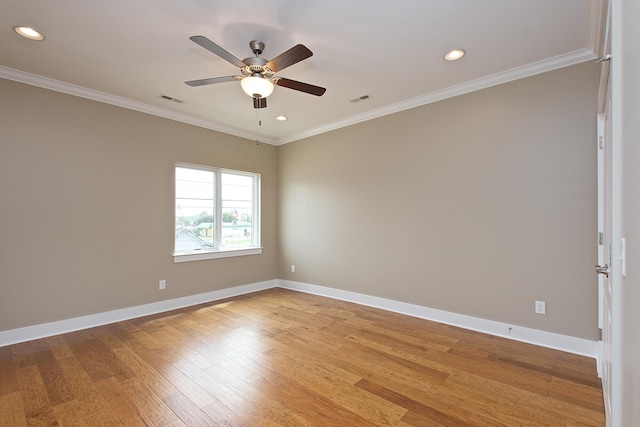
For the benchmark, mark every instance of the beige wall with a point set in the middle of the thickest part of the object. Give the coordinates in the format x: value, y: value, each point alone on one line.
x: 479, y: 205
x: 86, y: 207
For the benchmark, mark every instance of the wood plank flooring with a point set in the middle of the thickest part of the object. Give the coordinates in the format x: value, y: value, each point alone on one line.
x: 282, y: 358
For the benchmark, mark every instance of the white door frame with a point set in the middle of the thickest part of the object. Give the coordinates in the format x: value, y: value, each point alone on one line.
x: 608, y: 189
x: 605, y: 291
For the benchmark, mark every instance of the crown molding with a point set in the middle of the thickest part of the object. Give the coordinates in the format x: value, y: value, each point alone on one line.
x: 517, y: 73
x: 539, y: 67
x: 94, y: 95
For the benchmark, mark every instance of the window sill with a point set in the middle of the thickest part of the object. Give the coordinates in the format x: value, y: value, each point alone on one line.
x: 228, y: 253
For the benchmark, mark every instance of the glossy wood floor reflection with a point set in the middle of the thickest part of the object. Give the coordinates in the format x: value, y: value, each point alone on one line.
x: 282, y: 358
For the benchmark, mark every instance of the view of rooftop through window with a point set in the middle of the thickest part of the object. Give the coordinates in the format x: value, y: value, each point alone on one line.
x: 199, y: 207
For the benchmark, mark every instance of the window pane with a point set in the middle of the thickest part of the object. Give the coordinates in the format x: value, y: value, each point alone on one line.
x: 237, y: 210
x: 216, y: 213
x: 195, y: 207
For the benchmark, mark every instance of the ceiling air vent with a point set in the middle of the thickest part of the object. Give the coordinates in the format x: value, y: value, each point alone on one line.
x: 360, y: 98
x: 171, y: 98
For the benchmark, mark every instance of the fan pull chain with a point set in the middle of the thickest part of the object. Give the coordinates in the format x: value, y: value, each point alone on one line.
x: 259, y: 124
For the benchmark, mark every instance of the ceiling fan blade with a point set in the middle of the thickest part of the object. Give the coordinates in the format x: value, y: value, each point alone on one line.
x: 290, y: 57
x: 302, y: 87
x: 259, y: 102
x: 214, y: 48
x: 213, y: 80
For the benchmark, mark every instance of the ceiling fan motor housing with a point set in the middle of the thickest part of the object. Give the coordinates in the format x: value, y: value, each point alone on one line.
x: 256, y: 64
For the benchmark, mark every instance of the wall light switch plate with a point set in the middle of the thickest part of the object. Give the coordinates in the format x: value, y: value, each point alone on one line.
x: 541, y: 307
x: 163, y: 284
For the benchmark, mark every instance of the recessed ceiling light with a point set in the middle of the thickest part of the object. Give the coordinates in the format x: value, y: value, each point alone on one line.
x: 454, y: 54
x: 281, y: 118
x: 28, y: 32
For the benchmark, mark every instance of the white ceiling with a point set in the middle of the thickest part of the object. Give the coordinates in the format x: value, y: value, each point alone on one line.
x: 128, y: 53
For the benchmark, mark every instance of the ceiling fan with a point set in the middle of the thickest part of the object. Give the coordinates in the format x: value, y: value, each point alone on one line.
x: 258, y: 74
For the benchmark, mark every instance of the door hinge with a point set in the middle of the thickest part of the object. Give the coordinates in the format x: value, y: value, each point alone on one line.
x: 610, y: 254
x: 601, y: 142
x: 599, y: 334
x: 601, y: 238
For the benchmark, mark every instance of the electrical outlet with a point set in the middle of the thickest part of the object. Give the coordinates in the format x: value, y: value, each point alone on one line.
x: 293, y: 268
x: 541, y: 307
x: 163, y: 284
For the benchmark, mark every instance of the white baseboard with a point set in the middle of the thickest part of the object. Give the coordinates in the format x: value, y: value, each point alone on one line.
x: 29, y: 333
x: 566, y: 343
x: 518, y: 333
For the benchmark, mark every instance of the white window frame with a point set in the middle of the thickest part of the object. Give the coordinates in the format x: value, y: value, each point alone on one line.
x: 217, y: 251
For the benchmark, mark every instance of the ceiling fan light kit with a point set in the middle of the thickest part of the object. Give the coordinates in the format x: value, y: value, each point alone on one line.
x: 257, y: 86
x: 258, y: 77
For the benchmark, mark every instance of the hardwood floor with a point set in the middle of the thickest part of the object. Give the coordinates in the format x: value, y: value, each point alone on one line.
x: 282, y: 358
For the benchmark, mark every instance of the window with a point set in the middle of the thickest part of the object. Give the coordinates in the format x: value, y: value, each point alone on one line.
x: 217, y: 213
